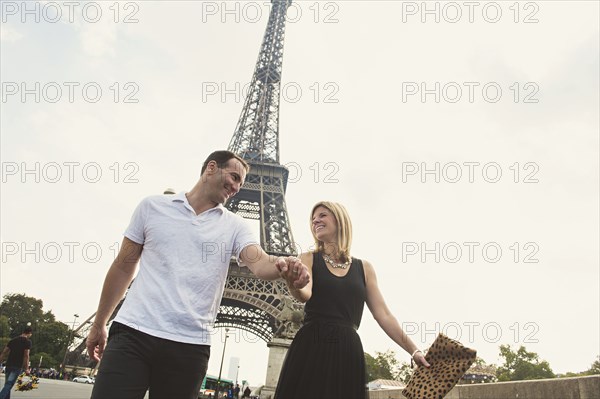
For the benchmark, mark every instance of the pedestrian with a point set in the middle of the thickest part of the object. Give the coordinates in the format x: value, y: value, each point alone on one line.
x: 327, y: 347
x: 16, y: 354
x: 247, y: 392
x: 160, y: 338
x: 236, y: 391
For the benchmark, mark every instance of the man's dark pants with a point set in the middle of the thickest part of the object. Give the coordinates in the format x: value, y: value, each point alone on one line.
x: 134, y: 362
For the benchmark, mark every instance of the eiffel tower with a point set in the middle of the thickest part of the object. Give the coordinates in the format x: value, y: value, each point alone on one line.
x: 264, y: 308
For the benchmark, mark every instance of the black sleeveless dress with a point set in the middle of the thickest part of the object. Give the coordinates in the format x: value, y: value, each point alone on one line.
x: 326, y: 359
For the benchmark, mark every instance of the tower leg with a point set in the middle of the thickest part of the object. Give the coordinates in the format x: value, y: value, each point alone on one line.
x: 277, y: 350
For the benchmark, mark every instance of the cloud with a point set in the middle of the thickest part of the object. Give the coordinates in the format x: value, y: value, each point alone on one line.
x: 99, y: 39
x: 9, y: 34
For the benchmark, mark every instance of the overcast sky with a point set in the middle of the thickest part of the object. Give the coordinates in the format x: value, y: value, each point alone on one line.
x: 463, y: 141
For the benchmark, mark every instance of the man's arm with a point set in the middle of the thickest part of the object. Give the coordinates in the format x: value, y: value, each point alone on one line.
x: 269, y: 267
x: 117, y: 280
x: 26, y: 359
x: 4, y: 354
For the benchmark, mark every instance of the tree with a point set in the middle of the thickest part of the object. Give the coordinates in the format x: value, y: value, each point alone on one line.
x: 49, y: 336
x: 21, y: 309
x: 595, y: 367
x: 4, y: 327
x: 522, y: 365
x: 405, y: 372
x: 370, y: 368
x: 45, y: 359
x: 593, y: 370
x: 383, y: 366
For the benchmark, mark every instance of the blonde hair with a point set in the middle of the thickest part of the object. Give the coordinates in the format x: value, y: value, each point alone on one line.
x: 344, y: 228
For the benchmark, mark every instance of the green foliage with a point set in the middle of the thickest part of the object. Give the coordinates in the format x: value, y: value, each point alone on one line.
x: 49, y: 336
x: 404, y: 373
x: 4, y: 326
x: 370, y: 368
x: 47, y: 361
x: 522, y: 365
x: 20, y: 309
x: 383, y: 366
x: 594, y: 368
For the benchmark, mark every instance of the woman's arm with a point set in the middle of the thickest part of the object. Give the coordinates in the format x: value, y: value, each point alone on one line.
x: 386, y: 319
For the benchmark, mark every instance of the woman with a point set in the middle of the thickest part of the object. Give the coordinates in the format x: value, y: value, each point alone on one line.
x: 326, y: 358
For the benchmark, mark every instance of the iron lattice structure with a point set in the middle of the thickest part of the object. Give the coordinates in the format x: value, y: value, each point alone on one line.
x: 256, y: 136
x: 259, y: 306
x: 264, y: 308
x: 256, y: 139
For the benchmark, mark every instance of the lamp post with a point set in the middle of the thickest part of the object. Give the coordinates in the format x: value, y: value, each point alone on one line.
x: 221, y: 368
x: 69, y: 342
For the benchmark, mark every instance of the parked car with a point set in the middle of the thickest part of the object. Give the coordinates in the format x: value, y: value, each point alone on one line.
x: 84, y: 379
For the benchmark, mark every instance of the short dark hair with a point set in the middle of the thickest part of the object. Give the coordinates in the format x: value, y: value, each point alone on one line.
x: 27, y: 330
x: 221, y: 158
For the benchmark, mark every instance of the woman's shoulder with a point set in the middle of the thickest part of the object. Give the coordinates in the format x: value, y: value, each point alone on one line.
x: 367, y: 266
x: 362, y: 260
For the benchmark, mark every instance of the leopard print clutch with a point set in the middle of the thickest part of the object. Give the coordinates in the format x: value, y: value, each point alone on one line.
x: 449, y: 361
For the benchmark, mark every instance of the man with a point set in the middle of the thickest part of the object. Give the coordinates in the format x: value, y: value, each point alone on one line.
x: 17, y: 354
x: 160, y: 339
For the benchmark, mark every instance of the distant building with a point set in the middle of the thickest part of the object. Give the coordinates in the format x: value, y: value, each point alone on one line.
x: 477, y: 378
x: 234, y: 362
x: 385, y: 384
x: 479, y: 374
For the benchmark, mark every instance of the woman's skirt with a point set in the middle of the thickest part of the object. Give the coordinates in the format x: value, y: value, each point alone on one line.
x: 324, y: 361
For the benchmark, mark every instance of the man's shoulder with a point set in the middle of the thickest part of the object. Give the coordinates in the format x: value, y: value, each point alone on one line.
x: 155, y: 201
x: 234, y: 218
x: 19, y: 341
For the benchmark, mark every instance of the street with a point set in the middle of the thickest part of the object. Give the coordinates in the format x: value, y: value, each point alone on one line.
x: 54, y: 389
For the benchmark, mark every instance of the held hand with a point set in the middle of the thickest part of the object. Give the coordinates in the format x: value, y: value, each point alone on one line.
x: 293, y: 271
x: 96, y: 341
x: 419, y: 359
x: 282, y: 266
